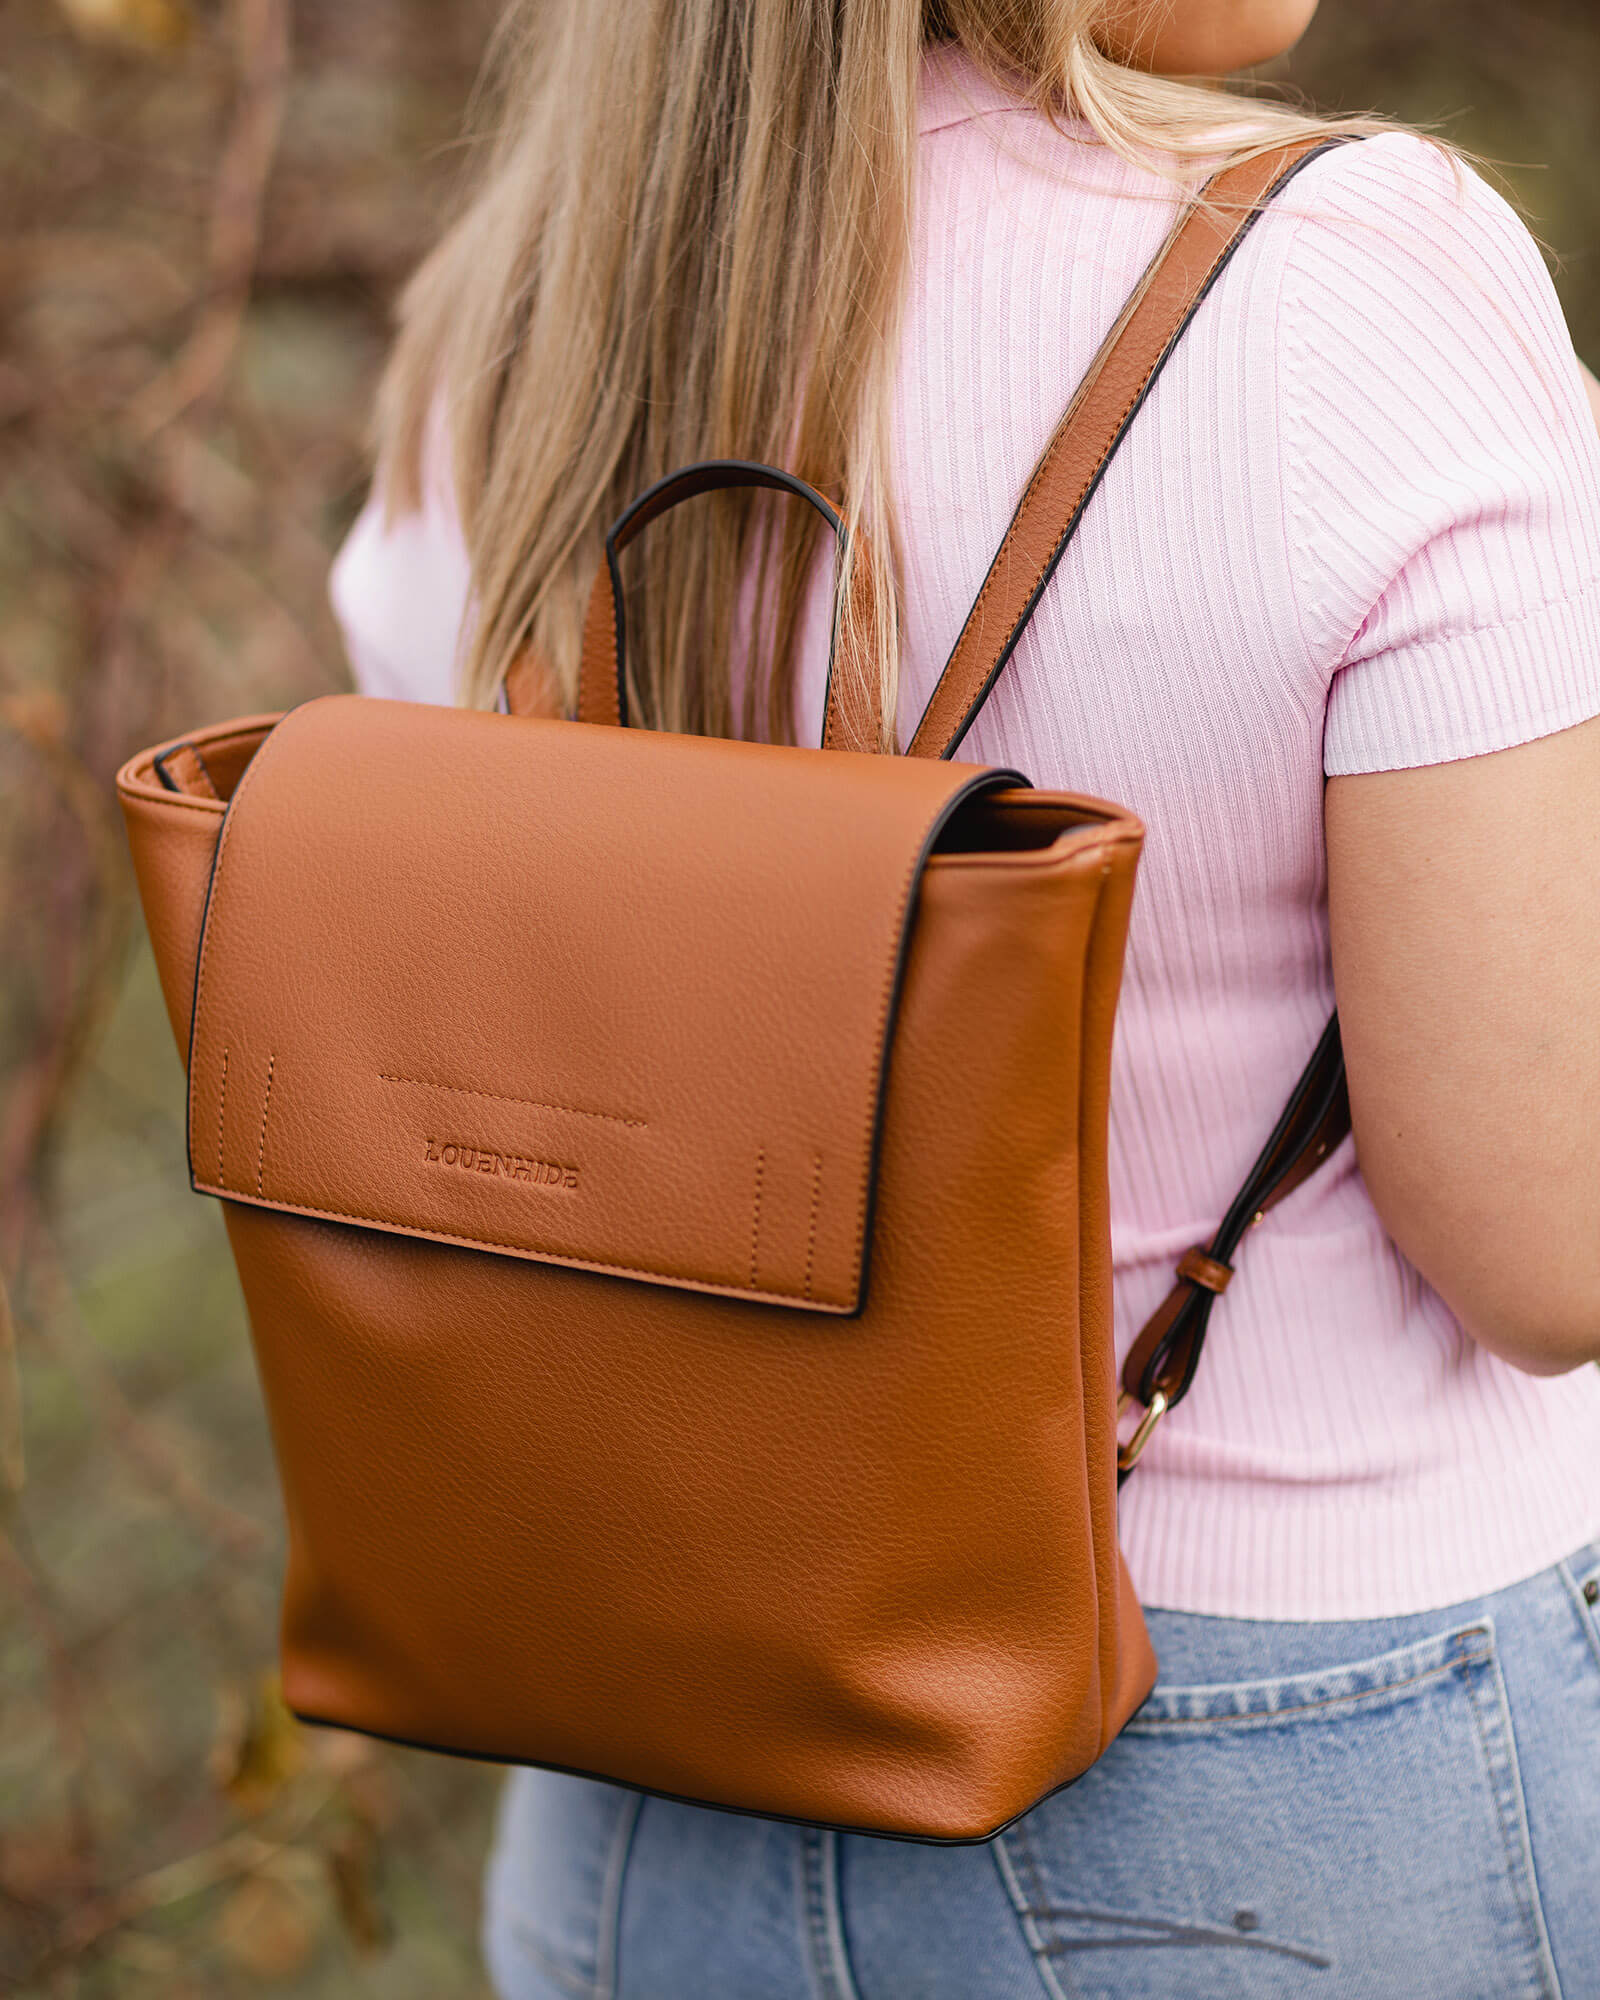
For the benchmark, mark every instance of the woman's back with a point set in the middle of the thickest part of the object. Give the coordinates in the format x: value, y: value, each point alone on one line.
x: 1350, y: 547
x: 1356, y: 528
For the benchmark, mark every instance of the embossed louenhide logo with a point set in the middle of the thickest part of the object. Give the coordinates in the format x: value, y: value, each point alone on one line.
x: 509, y: 1166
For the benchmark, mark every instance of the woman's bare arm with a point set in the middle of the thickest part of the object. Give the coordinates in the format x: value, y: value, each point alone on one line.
x: 1465, y: 902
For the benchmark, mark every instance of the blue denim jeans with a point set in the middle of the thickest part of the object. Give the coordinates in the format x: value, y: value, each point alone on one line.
x: 1401, y: 1810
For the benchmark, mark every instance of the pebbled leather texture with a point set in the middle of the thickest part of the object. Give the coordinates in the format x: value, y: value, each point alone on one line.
x: 632, y: 1045
x: 857, y: 1570
x: 734, y: 1414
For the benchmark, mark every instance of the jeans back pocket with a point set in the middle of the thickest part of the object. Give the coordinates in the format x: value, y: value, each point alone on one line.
x: 1355, y: 1832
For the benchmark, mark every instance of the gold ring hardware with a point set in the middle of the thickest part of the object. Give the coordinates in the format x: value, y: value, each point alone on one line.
x: 1128, y: 1455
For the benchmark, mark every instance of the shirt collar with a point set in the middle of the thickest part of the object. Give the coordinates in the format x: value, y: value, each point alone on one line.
x: 954, y: 89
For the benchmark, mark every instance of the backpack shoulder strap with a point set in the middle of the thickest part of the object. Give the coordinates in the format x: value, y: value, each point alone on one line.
x: 1160, y: 1369
x: 1097, y: 420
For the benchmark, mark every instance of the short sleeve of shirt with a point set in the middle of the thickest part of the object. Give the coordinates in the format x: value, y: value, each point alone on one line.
x: 1442, y: 466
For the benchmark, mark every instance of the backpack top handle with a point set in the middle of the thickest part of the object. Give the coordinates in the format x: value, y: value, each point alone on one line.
x: 1199, y: 249
x: 853, y: 707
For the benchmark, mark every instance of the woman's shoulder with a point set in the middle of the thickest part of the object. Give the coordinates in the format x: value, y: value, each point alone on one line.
x: 1400, y: 223
x: 1394, y: 210
x: 1440, y: 468
x: 1415, y: 320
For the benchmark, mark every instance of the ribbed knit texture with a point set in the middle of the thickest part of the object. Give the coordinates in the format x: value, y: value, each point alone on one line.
x: 1356, y: 528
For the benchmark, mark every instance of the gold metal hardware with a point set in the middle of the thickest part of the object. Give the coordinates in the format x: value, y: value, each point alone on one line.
x: 1128, y: 1455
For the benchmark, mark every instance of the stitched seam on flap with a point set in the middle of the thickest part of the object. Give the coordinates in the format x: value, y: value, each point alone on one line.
x: 755, y: 1218
x: 421, y: 1233
x: 222, y: 1105
x: 811, y: 1232
x: 499, y: 1097
x: 266, y: 1106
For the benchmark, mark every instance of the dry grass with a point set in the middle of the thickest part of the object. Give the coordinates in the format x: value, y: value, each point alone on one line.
x: 203, y: 216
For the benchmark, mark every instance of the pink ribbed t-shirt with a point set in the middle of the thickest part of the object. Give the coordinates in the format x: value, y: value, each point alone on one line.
x: 1356, y: 528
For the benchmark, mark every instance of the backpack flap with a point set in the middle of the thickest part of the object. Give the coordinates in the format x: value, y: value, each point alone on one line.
x: 587, y: 996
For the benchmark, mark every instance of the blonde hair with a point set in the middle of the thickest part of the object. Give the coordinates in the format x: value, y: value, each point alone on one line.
x: 689, y: 240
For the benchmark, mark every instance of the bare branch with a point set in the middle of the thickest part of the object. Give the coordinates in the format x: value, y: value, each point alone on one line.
x: 242, y: 176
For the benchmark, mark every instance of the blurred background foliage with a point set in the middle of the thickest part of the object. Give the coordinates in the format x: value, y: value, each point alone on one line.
x: 204, y: 213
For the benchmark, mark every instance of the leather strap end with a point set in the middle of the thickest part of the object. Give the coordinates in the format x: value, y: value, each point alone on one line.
x: 1164, y: 1356
x: 599, y: 698
x: 853, y: 710
x: 850, y: 718
x: 531, y: 688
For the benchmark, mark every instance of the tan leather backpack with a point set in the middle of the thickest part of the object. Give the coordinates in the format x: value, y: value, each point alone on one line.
x: 668, y: 1180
